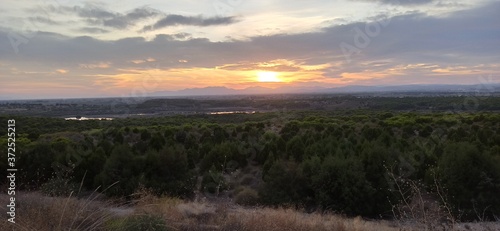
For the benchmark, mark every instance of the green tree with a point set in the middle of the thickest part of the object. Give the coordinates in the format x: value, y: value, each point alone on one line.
x: 295, y: 148
x: 341, y: 185
x: 121, y: 172
x: 36, y: 164
x: 91, y: 166
x: 168, y: 172
x: 225, y: 157
x: 157, y: 141
x: 145, y: 135
x: 471, y: 180
x: 284, y: 183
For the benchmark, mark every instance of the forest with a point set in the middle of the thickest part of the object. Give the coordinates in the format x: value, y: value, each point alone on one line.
x: 369, y: 163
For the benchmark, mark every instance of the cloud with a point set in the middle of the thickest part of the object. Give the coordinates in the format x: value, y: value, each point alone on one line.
x: 175, y: 20
x: 273, y: 65
x: 45, y: 20
x: 412, y: 44
x: 120, y: 21
x: 90, y: 11
x: 182, y: 36
x: 93, y: 30
x: 61, y: 71
x: 95, y: 15
x: 400, y: 2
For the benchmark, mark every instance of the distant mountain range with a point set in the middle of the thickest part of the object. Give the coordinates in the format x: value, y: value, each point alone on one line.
x: 212, y: 91
x: 483, y: 89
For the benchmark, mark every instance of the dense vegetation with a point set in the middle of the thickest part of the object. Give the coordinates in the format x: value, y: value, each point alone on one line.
x: 351, y: 162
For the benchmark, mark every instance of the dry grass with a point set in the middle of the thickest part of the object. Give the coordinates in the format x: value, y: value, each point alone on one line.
x: 224, y: 216
x: 37, y: 212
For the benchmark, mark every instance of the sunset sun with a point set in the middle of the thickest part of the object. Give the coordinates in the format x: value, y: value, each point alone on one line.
x: 267, y: 77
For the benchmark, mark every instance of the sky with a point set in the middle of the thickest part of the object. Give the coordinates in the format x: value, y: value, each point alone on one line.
x: 70, y: 48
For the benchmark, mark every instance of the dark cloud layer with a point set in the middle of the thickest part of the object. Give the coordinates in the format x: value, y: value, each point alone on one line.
x: 40, y: 19
x: 174, y: 20
x: 469, y: 37
x: 93, y: 30
x: 122, y: 21
x: 89, y: 11
x: 97, y: 16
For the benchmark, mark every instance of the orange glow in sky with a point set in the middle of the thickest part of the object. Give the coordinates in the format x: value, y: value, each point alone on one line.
x: 97, y: 49
x: 268, y: 77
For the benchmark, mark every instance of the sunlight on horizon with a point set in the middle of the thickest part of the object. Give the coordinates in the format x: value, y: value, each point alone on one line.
x: 268, y: 77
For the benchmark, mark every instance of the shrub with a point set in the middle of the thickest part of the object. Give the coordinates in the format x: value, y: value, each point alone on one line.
x: 59, y: 186
x: 213, y: 182
x: 168, y: 172
x: 247, y: 179
x: 284, y: 183
x: 471, y: 179
x: 119, y: 171
x: 247, y: 196
x: 341, y: 185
